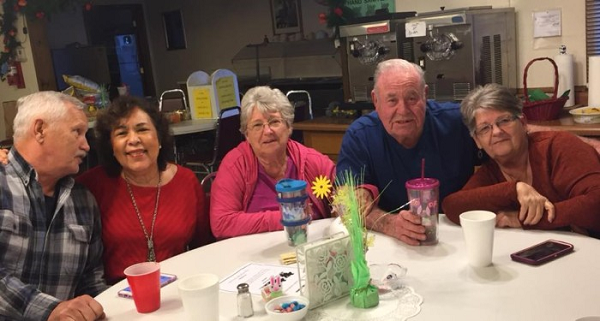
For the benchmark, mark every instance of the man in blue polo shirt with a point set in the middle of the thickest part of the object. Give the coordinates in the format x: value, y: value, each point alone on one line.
x: 388, y: 145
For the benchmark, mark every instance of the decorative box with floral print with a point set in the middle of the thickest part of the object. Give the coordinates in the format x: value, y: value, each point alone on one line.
x: 324, y: 269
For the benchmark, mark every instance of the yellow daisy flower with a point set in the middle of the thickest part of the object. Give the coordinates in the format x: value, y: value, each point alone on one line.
x: 321, y: 186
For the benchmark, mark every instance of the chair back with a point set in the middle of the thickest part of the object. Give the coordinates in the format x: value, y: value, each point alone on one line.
x: 206, y: 183
x: 228, y: 134
x: 302, y: 111
x: 7, y: 143
x: 172, y: 100
x: 306, y: 104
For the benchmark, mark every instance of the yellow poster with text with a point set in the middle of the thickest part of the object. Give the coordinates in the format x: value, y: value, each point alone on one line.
x: 226, y: 92
x: 202, y: 106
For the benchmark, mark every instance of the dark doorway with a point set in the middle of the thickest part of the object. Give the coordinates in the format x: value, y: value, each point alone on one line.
x: 112, y: 26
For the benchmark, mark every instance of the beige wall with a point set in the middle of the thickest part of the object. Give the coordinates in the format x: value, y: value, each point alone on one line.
x: 217, y: 29
x: 528, y: 48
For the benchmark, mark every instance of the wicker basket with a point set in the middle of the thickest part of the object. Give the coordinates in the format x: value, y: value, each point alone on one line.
x: 548, y: 109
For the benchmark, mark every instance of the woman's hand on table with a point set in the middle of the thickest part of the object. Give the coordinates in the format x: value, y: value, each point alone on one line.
x: 508, y: 219
x: 533, y: 205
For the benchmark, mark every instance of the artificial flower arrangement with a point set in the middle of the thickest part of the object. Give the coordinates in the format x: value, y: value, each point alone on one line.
x: 38, y: 9
x: 338, y: 14
x: 349, y: 206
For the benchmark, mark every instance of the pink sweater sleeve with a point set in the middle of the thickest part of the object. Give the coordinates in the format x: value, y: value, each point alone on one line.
x: 227, y: 209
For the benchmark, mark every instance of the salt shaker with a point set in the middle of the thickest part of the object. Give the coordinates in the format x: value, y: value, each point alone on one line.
x: 244, y: 301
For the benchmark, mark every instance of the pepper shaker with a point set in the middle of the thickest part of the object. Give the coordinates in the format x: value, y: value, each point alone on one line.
x: 244, y: 301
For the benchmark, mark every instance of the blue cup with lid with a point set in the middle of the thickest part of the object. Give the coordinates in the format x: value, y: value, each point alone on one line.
x: 292, y: 198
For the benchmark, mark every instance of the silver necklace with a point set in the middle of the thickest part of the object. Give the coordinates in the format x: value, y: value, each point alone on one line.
x: 149, y: 238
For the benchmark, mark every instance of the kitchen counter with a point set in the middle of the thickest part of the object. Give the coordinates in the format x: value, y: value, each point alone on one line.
x: 325, y: 133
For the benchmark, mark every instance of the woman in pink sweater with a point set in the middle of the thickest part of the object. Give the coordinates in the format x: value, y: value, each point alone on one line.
x: 243, y: 197
x: 542, y: 180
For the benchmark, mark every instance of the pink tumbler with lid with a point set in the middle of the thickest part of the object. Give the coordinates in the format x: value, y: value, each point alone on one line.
x: 423, y: 196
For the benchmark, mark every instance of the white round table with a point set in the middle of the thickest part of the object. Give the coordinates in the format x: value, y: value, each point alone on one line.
x: 564, y: 289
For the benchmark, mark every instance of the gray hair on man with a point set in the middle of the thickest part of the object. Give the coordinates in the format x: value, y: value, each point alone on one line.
x: 51, y: 106
x: 398, y: 65
x: 265, y: 100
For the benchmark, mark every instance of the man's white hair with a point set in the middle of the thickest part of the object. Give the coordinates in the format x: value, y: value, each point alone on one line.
x: 51, y: 106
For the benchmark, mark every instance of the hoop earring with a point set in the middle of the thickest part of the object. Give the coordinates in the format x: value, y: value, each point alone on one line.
x: 480, y: 153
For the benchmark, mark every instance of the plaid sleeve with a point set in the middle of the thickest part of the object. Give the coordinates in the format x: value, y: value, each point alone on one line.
x: 20, y: 301
x: 92, y: 281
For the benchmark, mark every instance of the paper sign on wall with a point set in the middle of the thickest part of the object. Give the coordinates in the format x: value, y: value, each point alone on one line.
x: 201, y: 100
x: 547, y: 23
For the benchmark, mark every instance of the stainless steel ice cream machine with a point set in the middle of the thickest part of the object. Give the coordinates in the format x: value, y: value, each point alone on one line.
x: 458, y: 49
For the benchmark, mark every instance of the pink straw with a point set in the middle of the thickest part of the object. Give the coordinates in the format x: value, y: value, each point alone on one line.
x: 422, y: 168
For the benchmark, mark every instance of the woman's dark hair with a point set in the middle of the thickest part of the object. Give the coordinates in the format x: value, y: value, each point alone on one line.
x: 108, y: 119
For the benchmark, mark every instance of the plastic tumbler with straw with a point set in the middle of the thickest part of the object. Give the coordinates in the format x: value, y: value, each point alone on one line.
x: 423, y: 197
x: 292, y: 198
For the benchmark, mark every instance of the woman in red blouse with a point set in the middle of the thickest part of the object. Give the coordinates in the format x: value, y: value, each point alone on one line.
x: 542, y: 180
x: 151, y: 209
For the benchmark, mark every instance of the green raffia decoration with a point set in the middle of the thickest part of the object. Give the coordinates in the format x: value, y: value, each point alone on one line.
x: 363, y: 294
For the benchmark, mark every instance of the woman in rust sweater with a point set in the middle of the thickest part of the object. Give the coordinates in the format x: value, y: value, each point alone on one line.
x: 541, y: 180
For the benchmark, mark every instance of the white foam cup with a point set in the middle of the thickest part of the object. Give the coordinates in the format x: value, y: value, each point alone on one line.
x: 478, y: 230
x: 200, y: 296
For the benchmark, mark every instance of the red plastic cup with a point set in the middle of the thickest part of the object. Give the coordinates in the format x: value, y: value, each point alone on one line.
x: 144, y: 280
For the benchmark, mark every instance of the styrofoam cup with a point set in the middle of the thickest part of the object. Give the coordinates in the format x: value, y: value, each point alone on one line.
x: 200, y: 296
x: 478, y: 230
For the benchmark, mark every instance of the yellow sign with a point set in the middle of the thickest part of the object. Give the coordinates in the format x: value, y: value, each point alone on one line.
x: 201, y: 104
x: 226, y: 92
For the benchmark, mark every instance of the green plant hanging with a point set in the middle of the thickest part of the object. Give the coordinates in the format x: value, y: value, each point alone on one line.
x: 39, y: 9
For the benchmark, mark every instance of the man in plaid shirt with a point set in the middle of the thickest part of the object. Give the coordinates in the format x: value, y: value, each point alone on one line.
x: 50, y: 233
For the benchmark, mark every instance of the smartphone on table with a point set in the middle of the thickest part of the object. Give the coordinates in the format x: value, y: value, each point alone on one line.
x: 164, y: 280
x: 542, y: 252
